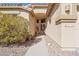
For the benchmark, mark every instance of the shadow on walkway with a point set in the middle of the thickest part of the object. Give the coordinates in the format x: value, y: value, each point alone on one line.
x: 19, y: 49
x: 31, y: 42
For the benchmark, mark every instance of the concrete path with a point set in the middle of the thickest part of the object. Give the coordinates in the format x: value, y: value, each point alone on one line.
x: 39, y: 49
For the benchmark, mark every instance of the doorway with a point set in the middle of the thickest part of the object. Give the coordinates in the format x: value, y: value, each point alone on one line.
x: 40, y: 26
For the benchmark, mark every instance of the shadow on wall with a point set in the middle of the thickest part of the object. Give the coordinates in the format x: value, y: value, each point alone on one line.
x: 52, y: 11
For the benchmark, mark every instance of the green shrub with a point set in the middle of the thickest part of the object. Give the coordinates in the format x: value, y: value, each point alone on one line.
x: 13, y: 29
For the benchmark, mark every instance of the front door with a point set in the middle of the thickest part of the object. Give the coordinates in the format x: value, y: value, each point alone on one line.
x: 41, y: 25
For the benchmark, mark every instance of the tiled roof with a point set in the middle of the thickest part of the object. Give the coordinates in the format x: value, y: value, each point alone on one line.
x: 13, y: 4
x: 39, y: 3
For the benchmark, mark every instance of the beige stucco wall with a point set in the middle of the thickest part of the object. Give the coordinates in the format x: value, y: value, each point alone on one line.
x: 24, y: 14
x: 65, y: 34
x: 68, y: 35
x: 77, y: 31
x: 10, y: 11
x: 68, y: 6
x: 32, y: 23
x: 53, y: 30
x: 70, y: 30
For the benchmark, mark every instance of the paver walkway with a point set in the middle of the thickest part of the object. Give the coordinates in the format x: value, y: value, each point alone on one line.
x: 39, y: 49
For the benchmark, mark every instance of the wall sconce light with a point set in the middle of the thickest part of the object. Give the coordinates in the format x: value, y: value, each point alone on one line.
x: 67, y: 9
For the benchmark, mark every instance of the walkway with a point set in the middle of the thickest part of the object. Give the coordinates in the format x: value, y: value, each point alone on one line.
x: 38, y: 49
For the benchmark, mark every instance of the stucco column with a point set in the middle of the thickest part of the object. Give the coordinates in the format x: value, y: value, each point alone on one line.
x: 32, y: 24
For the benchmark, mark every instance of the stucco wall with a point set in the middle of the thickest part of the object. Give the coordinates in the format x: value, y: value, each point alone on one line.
x: 53, y: 30
x: 65, y: 34
x: 68, y: 35
x: 77, y: 31
x: 10, y: 11
x: 32, y: 23
x: 25, y: 15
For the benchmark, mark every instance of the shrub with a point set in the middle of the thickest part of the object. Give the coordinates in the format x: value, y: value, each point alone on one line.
x: 13, y: 29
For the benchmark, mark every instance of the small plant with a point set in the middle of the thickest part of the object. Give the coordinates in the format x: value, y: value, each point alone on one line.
x: 13, y: 29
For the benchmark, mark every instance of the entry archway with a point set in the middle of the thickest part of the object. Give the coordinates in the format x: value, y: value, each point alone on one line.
x: 40, y: 26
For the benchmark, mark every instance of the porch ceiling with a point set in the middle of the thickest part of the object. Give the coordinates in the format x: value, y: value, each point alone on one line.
x: 40, y: 15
